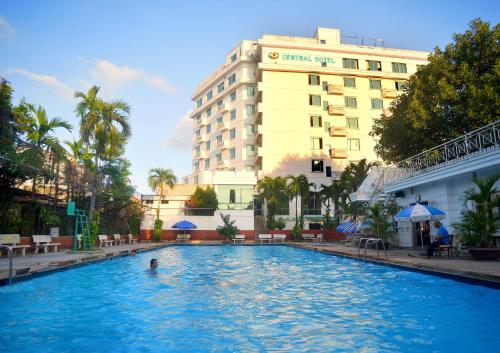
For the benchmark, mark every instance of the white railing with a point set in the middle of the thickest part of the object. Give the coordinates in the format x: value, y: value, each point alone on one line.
x: 483, y: 140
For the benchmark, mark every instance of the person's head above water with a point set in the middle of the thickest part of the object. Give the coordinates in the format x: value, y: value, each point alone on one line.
x: 153, y: 263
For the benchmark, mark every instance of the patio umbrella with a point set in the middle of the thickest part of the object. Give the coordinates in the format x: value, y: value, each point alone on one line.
x: 184, y: 225
x: 419, y: 212
x: 344, y: 226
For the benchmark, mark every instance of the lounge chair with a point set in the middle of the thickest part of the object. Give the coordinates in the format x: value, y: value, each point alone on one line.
x: 279, y: 238
x: 131, y: 239
x: 183, y: 238
x: 265, y: 237
x: 103, y: 240
x: 44, y: 241
x: 13, y: 241
x: 307, y: 237
x: 239, y: 238
x: 118, y: 239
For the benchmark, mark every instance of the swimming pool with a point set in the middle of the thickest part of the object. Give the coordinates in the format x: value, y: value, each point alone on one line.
x: 246, y: 298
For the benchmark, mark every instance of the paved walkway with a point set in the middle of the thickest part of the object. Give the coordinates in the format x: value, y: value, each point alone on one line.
x: 462, y: 266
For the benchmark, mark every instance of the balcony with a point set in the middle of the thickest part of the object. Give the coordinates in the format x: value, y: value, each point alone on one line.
x: 201, y: 155
x: 338, y: 153
x: 389, y: 93
x: 335, y: 110
x: 223, y: 126
x: 223, y: 145
x: 338, y: 131
x: 335, y: 89
x: 222, y: 164
x: 201, y: 122
x: 224, y: 108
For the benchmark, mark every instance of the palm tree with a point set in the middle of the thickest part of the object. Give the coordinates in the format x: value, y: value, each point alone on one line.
x: 273, y: 191
x: 104, y: 128
x: 158, y: 178
x: 298, y: 186
x: 378, y: 216
x: 334, y: 193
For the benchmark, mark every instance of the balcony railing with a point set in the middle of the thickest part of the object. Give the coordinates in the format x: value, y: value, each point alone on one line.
x: 336, y: 110
x: 335, y: 89
x: 474, y: 143
x: 338, y: 131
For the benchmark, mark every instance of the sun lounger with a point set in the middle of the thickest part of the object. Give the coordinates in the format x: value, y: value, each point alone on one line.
x: 318, y: 238
x: 307, y: 237
x: 239, y: 238
x: 13, y: 241
x: 279, y: 238
x: 44, y: 241
x: 131, y: 239
x: 183, y: 238
x: 103, y: 240
x: 265, y: 237
x: 118, y: 239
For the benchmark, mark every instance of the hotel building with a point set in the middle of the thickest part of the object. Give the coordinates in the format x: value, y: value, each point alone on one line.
x: 290, y: 105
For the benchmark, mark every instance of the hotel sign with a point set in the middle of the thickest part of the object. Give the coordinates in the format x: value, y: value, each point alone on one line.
x: 301, y: 58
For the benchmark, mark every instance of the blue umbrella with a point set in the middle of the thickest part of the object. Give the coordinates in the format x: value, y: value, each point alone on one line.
x: 342, y: 227
x: 184, y: 225
x: 419, y: 212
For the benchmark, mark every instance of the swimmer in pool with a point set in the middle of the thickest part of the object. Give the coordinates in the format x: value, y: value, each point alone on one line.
x: 153, y: 264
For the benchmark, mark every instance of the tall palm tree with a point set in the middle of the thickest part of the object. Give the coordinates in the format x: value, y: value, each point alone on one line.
x: 272, y: 190
x: 298, y: 186
x: 334, y: 193
x: 104, y: 128
x: 158, y: 178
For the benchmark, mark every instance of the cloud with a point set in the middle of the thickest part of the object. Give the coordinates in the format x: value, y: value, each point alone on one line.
x: 50, y: 81
x: 115, y: 76
x: 181, y: 135
x: 6, y: 30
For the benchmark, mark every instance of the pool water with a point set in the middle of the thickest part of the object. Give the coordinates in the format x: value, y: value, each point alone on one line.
x: 248, y: 299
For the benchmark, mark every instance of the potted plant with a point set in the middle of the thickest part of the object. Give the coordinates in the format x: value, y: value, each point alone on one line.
x: 228, y: 230
x: 380, y: 226
x: 478, y: 224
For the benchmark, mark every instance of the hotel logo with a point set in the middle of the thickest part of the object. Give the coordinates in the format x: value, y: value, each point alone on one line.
x: 274, y: 55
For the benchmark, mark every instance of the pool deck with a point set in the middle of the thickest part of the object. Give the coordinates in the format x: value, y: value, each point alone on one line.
x: 465, y: 267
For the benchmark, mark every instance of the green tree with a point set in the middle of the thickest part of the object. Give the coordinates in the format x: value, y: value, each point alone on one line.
x: 205, y: 198
x: 478, y: 225
x: 380, y: 225
x: 159, y: 178
x: 455, y: 93
x: 272, y: 191
x: 228, y: 229
x: 298, y: 186
x: 104, y: 128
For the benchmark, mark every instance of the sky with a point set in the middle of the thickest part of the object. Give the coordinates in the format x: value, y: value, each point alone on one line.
x: 152, y: 54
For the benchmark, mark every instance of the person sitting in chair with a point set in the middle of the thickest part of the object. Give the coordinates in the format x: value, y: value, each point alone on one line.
x: 443, y: 237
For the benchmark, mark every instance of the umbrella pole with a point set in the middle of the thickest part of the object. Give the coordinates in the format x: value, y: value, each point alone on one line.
x: 421, y: 236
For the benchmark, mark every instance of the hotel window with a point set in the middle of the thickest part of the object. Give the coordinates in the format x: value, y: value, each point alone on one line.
x: 350, y: 63
x: 314, y: 100
x: 316, y: 143
x: 199, y: 102
x: 327, y: 126
x: 315, y: 121
x: 231, y: 79
x: 197, y: 150
x: 210, y: 95
x: 219, y: 138
x: 352, y: 123
x: 219, y: 104
x: 207, y: 146
x: 207, y: 163
x: 353, y: 144
x: 314, y: 80
x: 233, y: 58
x: 325, y: 106
x: 250, y: 109
x: 250, y: 150
x: 198, y: 132
x: 198, y: 118
x: 250, y: 129
x: 377, y: 103
x: 195, y: 179
x: 232, y: 133
x: 250, y: 90
x: 322, y: 41
x: 209, y: 128
x: 232, y: 114
x: 196, y: 166
x: 209, y: 112
x: 350, y: 102
x: 374, y: 65
x: 375, y: 84
x: 317, y: 166
x: 399, y: 67
x: 219, y: 157
x: 220, y: 87
x: 350, y: 82
x: 219, y: 120
x: 324, y: 85
x: 401, y: 85
x: 232, y: 96
x: 232, y: 153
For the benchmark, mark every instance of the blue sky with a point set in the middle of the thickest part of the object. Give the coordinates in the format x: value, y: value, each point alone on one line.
x: 153, y: 53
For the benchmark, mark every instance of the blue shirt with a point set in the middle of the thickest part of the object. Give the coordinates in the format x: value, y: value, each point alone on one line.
x: 443, y: 232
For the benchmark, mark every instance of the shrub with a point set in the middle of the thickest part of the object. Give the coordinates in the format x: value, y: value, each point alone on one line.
x: 296, y: 232
x: 279, y: 223
x: 96, y: 221
x: 328, y: 222
x: 157, y: 230
x: 205, y: 198
x: 228, y: 230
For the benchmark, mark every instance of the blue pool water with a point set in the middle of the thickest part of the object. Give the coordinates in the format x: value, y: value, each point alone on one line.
x: 249, y: 299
